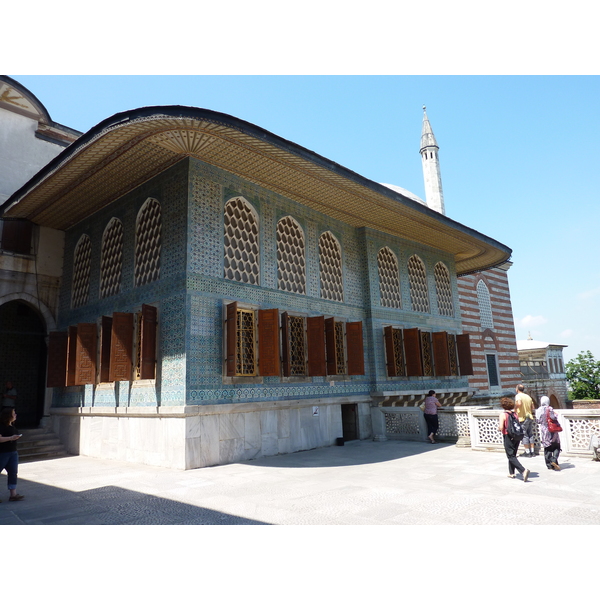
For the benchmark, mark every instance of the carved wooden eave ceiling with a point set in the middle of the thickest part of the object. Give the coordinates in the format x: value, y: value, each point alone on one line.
x: 130, y: 148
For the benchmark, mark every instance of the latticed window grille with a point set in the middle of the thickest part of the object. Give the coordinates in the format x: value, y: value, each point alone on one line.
x: 398, y: 351
x: 443, y: 290
x: 452, y: 355
x: 485, y: 305
x: 148, y: 241
x: 389, y: 279
x: 241, y: 242
x: 111, y: 263
x: 297, y: 345
x: 81, y: 271
x: 330, y: 263
x: 427, y: 353
x: 245, y: 360
x: 417, y: 277
x: 339, y: 348
x: 291, y: 265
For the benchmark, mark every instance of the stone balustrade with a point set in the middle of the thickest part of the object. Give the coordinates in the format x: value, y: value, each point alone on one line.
x: 477, y: 427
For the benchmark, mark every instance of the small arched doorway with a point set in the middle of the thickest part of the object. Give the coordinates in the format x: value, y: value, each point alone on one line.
x: 554, y: 402
x: 23, y: 360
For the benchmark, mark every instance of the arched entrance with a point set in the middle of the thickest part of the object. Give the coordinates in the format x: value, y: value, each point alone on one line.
x: 554, y: 402
x: 23, y: 359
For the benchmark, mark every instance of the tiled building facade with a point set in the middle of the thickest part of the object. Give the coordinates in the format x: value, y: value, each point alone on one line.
x: 226, y: 294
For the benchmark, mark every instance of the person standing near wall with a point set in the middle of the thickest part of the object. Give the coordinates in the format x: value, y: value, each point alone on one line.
x: 431, y: 416
x: 524, y: 410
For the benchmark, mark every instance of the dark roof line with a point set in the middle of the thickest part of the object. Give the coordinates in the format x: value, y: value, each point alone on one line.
x: 248, y: 128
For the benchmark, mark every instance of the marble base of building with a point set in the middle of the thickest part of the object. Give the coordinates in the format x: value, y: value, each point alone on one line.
x: 200, y: 436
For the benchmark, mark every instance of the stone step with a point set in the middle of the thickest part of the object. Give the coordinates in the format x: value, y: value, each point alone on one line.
x: 39, y: 444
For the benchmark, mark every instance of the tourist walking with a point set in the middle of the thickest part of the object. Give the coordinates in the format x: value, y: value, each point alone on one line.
x: 550, y: 439
x: 9, y: 458
x: 524, y: 410
x: 511, y: 444
x: 431, y: 416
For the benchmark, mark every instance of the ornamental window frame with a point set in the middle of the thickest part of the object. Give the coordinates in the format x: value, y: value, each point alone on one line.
x: 291, y: 256
x: 111, y: 259
x: 241, y: 241
x: 82, y: 263
x: 419, y: 288
x: 484, y: 302
x: 388, y: 270
x: 443, y: 290
x: 148, y: 243
x: 331, y: 275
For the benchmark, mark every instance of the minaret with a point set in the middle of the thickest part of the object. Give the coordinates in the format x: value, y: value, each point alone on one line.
x: 431, y: 168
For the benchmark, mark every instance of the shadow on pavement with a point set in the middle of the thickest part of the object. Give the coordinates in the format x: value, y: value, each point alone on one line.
x: 110, y: 505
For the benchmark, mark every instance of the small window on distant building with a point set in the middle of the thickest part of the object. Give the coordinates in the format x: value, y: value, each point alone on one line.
x: 492, y: 367
x: 485, y: 305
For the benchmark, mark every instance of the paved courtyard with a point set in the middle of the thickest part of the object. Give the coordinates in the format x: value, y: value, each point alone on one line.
x: 361, y: 483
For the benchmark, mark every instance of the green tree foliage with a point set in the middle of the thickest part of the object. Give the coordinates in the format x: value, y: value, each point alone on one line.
x: 583, y: 375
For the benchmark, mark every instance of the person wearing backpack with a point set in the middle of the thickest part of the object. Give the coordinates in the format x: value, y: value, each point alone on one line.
x: 550, y: 439
x: 508, y: 424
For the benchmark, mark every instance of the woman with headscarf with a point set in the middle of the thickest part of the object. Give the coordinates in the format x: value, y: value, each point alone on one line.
x: 550, y: 439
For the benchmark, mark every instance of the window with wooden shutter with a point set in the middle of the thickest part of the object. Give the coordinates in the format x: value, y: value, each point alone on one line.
x: 147, y: 342
x: 121, y: 347
x: 394, y: 351
x: 85, y: 367
x: 452, y: 355
x: 315, y: 334
x: 354, y: 345
x: 293, y: 345
x: 268, y: 343
x: 440, y: 353
x: 231, y: 338
x: 331, y: 346
x: 58, y: 342
x: 463, y: 349
x: 412, y: 353
x: 105, y: 335
x: 71, y: 354
x: 426, y: 354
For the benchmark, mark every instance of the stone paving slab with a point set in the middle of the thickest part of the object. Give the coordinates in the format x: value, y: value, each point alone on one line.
x: 361, y: 483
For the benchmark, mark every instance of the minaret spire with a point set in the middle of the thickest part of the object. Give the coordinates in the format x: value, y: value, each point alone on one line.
x: 434, y: 195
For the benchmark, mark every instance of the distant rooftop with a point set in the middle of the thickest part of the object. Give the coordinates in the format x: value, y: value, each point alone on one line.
x: 536, y: 345
x: 404, y: 192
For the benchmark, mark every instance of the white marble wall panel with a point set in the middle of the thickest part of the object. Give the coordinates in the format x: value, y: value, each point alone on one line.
x: 231, y: 426
x: 252, y: 433
x: 268, y: 421
x: 209, y: 440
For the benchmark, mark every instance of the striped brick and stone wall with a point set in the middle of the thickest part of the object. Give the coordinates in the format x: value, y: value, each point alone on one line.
x: 498, y: 341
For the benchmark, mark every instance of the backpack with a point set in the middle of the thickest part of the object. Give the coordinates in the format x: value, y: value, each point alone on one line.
x: 513, y: 427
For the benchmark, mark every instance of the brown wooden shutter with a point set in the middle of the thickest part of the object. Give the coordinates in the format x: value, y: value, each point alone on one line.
x: 268, y: 343
x: 463, y: 349
x: 315, y: 335
x: 148, y: 342
x: 71, y: 355
x: 354, y: 345
x: 390, y: 355
x: 85, y: 367
x: 285, y: 343
x: 440, y: 353
x: 121, y: 347
x: 58, y: 342
x: 412, y: 353
x: 231, y: 335
x: 330, y: 346
x: 105, y: 335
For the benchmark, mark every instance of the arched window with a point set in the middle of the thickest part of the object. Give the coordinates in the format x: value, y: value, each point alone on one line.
x: 148, y: 242
x: 241, y: 247
x: 443, y: 290
x: 389, y: 279
x: 330, y: 266
x: 82, y: 259
x: 111, y: 262
x: 291, y: 264
x: 485, y: 306
x: 417, y: 278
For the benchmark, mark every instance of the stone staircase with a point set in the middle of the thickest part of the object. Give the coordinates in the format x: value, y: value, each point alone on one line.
x: 39, y: 444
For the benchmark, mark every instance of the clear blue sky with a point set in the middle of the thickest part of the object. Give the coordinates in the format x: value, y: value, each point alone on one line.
x: 519, y: 158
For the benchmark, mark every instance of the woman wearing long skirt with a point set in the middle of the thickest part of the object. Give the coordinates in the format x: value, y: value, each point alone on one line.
x: 550, y: 439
